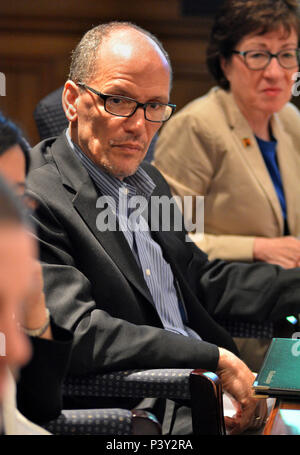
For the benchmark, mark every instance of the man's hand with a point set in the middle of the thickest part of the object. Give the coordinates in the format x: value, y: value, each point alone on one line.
x: 237, y: 381
x: 283, y: 251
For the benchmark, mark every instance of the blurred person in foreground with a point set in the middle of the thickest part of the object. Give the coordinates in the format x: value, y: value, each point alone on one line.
x: 39, y: 386
x: 238, y: 146
x: 17, y: 250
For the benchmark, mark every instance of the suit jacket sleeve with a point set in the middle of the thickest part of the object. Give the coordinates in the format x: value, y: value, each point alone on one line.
x: 240, y: 291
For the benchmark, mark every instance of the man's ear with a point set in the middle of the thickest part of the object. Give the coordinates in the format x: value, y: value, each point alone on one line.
x: 69, y: 100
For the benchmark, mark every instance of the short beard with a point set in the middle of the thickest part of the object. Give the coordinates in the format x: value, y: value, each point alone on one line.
x: 113, y: 172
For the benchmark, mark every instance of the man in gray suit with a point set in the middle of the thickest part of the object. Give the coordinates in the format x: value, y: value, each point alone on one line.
x: 133, y: 297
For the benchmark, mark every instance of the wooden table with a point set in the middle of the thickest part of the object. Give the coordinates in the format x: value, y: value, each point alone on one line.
x: 284, y: 418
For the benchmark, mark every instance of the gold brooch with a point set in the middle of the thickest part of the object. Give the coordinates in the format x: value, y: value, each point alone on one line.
x: 246, y: 142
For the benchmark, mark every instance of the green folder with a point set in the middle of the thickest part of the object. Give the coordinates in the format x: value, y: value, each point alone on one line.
x: 280, y: 372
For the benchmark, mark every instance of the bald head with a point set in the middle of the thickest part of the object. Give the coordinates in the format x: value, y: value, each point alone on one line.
x: 126, y: 40
x: 128, y: 46
x: 84, y: 57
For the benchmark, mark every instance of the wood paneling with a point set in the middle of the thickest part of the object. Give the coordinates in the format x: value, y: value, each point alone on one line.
x: 37, y: 37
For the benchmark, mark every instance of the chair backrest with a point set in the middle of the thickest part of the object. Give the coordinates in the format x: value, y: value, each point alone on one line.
x: 51, y: 120
x: 49, y: 115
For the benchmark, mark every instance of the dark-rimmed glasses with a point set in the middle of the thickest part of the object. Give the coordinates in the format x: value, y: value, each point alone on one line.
x: 259, y: 60
x: 122, y: 106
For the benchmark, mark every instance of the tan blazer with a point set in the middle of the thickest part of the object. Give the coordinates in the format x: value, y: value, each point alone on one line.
x: 208, y: 149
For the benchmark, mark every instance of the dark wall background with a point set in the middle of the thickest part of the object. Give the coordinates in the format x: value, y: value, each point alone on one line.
x: 194, y: 7
x: 37, y: 36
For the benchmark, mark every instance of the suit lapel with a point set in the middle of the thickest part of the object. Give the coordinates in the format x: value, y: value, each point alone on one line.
x: 252, y: 155
x: 75, y: 177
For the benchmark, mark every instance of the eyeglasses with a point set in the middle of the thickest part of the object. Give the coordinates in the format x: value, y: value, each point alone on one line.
x: 122, y: 106
x: 259, y: 60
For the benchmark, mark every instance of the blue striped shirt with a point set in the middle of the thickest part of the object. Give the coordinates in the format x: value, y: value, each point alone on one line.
x: 156, y: 271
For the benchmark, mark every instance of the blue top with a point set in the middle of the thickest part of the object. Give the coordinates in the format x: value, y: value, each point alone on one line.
x: 268, y: 150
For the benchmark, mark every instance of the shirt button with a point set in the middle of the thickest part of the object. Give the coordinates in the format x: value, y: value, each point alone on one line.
x: 148, y: 272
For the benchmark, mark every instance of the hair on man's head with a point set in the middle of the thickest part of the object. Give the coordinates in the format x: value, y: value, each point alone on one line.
x: 84, y: 56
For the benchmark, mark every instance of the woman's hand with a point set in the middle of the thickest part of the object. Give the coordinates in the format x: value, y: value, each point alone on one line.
x: 284, y: 251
